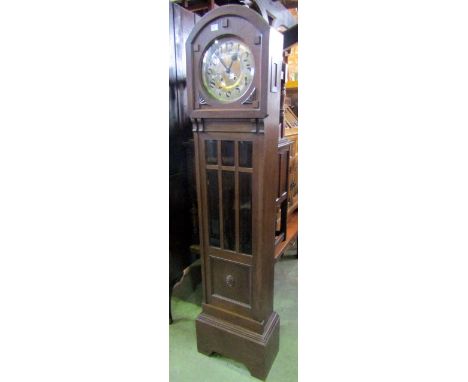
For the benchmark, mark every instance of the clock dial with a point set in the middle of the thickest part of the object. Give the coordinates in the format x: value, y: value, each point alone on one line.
x: 228, y: 69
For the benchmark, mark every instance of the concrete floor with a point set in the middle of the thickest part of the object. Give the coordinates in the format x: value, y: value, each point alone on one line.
x: 186, y: 364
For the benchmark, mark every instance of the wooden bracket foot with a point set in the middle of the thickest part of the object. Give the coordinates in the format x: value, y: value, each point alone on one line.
x: 256, y: 351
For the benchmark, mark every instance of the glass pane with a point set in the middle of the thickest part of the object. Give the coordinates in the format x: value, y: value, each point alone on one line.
x: 245, y: 154
x: 227, y: 153
x: 245, y: 212
x: 211, y: 152
x: 229, y: 210
x: 213, y: 206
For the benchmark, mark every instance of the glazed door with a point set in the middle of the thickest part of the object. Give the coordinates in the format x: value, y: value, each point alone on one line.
x: 227, y: 171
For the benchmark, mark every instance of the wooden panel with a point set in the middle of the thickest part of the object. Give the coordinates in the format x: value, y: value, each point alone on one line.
x: 231, y: 281
x: 230, y: 255
x: 235, y: 318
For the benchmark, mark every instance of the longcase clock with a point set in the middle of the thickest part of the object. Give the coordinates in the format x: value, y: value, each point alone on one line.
x: 234, y: 64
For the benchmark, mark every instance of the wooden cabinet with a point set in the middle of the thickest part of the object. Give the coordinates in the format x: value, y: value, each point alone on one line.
x: 182, y: 229
x: 287, y: 213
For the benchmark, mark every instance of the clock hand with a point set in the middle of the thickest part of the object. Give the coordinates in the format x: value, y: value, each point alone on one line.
x: 233, y: 58
x: 222, y: 62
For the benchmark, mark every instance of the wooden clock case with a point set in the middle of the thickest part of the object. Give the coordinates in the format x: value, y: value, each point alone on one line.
x: 236, y: 155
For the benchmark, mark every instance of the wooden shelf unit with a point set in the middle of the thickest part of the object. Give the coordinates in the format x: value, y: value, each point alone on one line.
x: 291, y: 235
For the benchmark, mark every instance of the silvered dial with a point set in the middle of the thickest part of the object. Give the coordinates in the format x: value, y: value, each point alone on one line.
x: 228, y: 69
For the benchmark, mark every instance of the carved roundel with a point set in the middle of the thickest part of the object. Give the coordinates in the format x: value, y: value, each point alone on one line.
x: 230, y: 282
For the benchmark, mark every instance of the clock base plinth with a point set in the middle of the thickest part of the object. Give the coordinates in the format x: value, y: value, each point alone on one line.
x: 256, y: 351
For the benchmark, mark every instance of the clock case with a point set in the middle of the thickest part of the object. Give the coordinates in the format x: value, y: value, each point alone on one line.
x: 238, y: 320
x: 247, y: 25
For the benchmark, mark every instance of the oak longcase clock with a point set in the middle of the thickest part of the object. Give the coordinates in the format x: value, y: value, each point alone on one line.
x: 233, y: 79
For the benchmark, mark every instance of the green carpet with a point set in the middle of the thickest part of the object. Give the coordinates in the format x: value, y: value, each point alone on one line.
x: 186, y: 364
